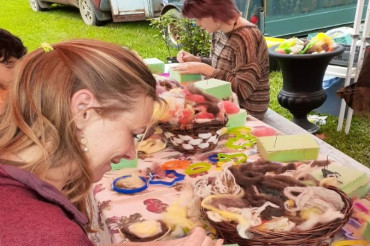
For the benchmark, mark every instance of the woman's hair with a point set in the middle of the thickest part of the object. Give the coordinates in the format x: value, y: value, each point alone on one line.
x: 10, y: 46
x: 219, y: 10
x: 38, y: 112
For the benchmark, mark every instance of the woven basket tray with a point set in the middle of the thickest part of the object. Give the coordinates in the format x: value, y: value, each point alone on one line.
x: 194, y: 138
x: 317, y: 236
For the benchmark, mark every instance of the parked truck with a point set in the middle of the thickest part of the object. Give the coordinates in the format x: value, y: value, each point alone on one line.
x: 275, y: 18
x: 97, y: 12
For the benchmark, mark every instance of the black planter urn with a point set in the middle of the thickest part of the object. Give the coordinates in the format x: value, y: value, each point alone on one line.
x: 302, y: 83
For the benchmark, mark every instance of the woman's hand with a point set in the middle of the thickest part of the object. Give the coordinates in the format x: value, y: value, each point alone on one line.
x: 184, y: 56
x: 198, y: 237
x: 194, y: 68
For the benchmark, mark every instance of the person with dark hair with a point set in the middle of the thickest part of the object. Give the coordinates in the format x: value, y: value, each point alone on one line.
x: 238, y: 54
x: 11, y: 50
x: 75, y: 108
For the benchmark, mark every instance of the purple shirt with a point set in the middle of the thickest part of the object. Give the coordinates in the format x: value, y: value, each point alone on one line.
x: 33, y: 212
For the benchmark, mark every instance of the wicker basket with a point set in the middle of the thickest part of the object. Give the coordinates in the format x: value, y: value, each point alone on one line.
x: 317, y: 236
x: 194, y: 138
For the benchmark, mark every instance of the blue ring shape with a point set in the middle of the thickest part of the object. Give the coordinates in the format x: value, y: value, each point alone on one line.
x: 179, y: 177
x: 129, y: 191
x: 213, y: 158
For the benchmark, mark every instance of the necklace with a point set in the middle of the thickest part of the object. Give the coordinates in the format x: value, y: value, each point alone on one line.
x: 230, y: 32
x: 236, y: 21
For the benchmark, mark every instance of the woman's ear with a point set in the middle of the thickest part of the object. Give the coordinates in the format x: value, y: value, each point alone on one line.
x: 81, y: 102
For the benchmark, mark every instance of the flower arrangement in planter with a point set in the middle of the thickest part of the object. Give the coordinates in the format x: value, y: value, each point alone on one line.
x: 305, y: 62
x: 181, y: 33
x: 320, y: 43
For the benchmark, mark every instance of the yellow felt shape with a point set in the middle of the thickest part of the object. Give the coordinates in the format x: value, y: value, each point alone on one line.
x: 147, y: 228
x: 308, y: 212
x: 151, y: 145
x: 177, y: 216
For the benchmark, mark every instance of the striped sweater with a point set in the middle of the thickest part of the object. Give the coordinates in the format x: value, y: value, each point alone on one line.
x: 241, y: 57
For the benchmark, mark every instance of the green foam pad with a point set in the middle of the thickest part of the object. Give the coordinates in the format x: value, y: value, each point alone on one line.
x: 350, y: 178
x: 366, y: 232
x: 286, y: 148
x: 360, y: 192
x: 155, y: 65
x: 236, y: 120
x: 125, y: 164
x: 218, y: 88
x: 184, y: 77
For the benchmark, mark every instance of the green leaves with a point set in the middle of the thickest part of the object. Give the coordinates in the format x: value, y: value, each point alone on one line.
x: 192, y: 38
x: 182, y: 33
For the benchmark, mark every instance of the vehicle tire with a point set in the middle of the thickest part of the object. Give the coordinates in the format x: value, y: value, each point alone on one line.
x: 37, y: 5
x: 170, y: 36
x: 88, y: 13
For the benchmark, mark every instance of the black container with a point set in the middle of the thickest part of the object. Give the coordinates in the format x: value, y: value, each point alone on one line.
x: 171, y: 59
x: 302, y: 83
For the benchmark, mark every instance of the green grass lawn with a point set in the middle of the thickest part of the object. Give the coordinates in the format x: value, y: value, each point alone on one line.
x: 63, y: 23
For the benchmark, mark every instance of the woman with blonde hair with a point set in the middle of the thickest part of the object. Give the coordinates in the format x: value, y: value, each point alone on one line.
x: 74, y: 108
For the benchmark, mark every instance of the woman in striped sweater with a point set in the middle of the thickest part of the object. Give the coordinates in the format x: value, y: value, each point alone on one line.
x: 238, y: 54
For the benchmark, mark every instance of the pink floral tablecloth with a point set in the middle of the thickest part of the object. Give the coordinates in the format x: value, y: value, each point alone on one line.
x: 111, y: 207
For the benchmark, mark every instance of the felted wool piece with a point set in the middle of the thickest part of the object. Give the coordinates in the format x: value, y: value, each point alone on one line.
x: 146, y: 228
x: 151, y: 145
x: 145, y: 231
x: 155, y: 65
x: 287, y: 148
x: 176, y: 215
x: 218, y: 88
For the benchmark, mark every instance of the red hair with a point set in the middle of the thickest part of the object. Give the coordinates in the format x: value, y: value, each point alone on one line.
x: 219, y: 10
